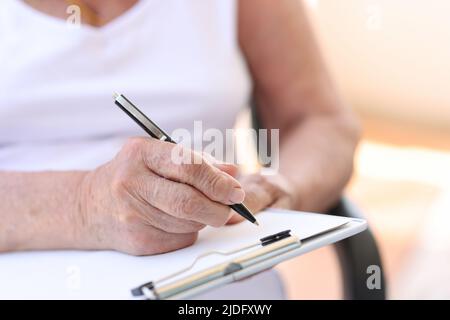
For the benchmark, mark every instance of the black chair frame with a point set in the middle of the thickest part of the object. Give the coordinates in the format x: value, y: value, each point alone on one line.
x: 357, y: 255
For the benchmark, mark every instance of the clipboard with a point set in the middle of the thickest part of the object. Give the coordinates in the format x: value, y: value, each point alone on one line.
x: 74, y: 274
x: 246, y: 261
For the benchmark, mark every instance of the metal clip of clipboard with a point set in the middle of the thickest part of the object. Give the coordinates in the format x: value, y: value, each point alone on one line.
x: 175, y: 283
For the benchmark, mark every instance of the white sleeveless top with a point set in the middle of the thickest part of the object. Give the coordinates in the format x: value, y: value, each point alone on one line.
x: 178, y: 60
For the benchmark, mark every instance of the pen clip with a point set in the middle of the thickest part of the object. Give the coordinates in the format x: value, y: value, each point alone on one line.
x: 275, y: 237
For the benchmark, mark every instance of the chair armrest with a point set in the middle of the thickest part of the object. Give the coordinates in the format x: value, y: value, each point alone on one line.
x: 355, y: 255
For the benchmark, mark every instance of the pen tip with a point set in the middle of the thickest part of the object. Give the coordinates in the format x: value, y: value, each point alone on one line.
x: 115, y: 95
x: 256, y: 222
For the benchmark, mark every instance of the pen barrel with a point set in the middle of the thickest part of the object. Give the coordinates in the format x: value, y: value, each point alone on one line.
x: 141, y: 119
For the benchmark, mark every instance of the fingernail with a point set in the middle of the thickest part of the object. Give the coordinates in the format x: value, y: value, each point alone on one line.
x: 237, y: 195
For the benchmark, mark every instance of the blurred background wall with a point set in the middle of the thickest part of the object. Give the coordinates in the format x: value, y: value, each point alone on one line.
x: 390, y: 57
x: 391, y: 61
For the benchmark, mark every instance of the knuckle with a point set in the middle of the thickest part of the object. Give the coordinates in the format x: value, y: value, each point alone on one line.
x: 134, y: 145
x: 180, y: 154
x: 159, y: 159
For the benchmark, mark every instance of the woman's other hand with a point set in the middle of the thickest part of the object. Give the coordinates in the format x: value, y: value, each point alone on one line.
x: 263, y: 191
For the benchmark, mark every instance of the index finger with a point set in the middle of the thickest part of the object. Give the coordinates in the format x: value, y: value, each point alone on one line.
x: 163, y: 158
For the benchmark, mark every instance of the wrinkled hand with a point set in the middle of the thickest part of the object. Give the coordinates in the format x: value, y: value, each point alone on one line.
x: 263, y: 191
x: 142, y: 202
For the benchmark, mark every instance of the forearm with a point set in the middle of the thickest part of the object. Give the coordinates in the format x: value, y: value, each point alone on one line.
x: 39, y: 210
x: 316, y: 156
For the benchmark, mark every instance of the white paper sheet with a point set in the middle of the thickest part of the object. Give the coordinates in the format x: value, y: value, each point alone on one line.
x: 111, y: 275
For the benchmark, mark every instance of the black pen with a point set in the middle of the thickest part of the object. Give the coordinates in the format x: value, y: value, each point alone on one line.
x: 156, y: 132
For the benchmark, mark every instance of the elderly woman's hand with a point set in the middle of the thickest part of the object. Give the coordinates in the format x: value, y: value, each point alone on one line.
x: 263, y: 191
x: 143, y: 202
